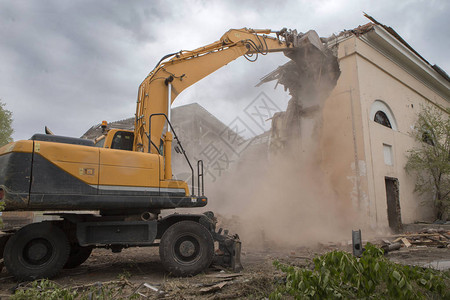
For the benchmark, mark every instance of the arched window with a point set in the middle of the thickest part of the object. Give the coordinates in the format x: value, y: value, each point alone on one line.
x: 382, y: 114
x: 381, y: 118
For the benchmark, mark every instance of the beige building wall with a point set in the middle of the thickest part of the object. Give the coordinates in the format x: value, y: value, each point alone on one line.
x: 342, y: 137
x: 358, y: 153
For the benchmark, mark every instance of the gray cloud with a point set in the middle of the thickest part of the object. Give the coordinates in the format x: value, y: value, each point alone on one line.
x: 65, y: 63
x: 70, y: 64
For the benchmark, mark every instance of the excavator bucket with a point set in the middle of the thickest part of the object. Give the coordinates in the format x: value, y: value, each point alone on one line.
x: 228, y: 254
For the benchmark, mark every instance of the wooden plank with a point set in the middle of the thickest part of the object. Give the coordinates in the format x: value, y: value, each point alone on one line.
x: 213, y: 288
x: 224, y: 275
x: 406, y: 242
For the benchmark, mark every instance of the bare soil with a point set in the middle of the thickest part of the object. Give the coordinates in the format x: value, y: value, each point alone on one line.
x: 133, y: 267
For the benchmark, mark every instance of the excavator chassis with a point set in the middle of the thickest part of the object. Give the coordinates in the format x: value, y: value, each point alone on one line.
x: 186, y: 243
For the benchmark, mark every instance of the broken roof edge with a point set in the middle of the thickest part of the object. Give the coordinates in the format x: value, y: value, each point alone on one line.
x: 393, y: 49
x: 390, y: 44
x: 369, y: 27
x: 401, y: 40
x: 396, y: 35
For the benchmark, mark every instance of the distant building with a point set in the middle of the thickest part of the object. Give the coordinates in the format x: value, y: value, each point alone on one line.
x: 201, y: 134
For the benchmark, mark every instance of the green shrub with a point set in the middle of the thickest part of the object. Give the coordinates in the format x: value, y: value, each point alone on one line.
x: 340, y: 275
x: 49, y: 290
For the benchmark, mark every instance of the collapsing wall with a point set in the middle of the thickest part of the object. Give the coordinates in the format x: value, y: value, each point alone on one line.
x: 309, y: 77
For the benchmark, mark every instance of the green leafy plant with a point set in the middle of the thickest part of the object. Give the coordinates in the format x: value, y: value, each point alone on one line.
x: 430, y: 161
x: 44, y: 289
x: 5, y: 125
x: 48, y: 290
x: 5, y: 137
x: 339, y: 275
x: 124, y: 275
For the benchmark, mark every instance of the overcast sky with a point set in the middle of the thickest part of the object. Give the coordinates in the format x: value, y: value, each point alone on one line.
x: 71, y: 64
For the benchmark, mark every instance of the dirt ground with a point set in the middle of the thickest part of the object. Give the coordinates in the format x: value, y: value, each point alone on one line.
x: 138, y: 270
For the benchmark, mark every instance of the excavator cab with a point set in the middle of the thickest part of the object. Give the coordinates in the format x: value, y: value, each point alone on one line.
x: 123, y: 140
x: 118, y: 139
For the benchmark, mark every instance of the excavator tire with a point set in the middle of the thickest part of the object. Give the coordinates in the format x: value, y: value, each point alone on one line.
x: 3, y: 240
x: 186, y: 248
x: 78, y: 255
x: 38, y: 250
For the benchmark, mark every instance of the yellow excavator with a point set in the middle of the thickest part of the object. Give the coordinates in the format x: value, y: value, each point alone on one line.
x: 126, y: 178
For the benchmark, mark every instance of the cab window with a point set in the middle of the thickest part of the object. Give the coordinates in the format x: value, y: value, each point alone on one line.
x: 100, y: 143
x: 123, y: 140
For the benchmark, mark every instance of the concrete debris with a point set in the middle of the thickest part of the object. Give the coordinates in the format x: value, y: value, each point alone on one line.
x: 149, y: 287
x: 391, y: 247
x: 441, y: 265
x: 309, y: 77
x: 429, y: 237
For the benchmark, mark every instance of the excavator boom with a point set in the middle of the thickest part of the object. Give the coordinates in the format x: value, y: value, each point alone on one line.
x: 177, y: 71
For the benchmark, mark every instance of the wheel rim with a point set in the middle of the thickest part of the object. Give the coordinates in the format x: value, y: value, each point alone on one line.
x: 187, y: 250
x: 37, y: 251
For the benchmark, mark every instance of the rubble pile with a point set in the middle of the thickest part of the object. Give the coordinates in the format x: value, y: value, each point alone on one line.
x: 428, y: 237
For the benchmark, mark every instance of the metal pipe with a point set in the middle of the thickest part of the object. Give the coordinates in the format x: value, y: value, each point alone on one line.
x: 178, y: 143
x: 168, y: 155
x: 147, y: 216
x: 169, y: 103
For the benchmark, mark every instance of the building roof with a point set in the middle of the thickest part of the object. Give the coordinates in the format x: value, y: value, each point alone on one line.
x: 399, y: 38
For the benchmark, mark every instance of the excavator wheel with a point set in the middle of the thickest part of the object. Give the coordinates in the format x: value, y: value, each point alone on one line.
x: 186, y: 248
x: 78, y: 255
x: 38, y: 250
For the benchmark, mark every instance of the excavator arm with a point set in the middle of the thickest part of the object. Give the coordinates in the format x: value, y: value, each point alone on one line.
x: 177, y: 71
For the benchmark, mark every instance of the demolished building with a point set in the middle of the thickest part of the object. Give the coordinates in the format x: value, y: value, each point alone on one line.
x: 355, y: 123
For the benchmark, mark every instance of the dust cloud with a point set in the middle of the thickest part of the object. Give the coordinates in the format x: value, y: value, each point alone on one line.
x: 284, y: 202
x: 280, y: 196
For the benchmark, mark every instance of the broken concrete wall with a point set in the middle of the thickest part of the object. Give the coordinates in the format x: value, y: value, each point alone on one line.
x: 343, y: 154
x: 309, y: 78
